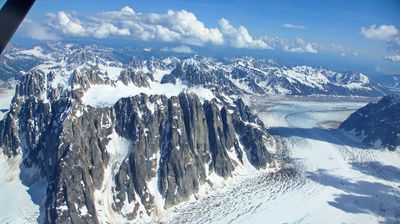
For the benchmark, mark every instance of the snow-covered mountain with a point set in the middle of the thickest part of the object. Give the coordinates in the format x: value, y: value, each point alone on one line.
x: 106, y: 139
x: 266, y: 77
x: 14, y: 60
x: 242, y: 75
x: 377, y: 123
x: 105, y: 142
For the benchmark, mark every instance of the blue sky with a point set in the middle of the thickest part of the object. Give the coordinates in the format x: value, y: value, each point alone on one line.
x: 339, y: 34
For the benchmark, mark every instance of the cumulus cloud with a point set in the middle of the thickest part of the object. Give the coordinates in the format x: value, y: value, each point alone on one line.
x: 39, y: 32
x: 393, y: 58
x: 174, y: 26
x: 240, y: 37
x: 108, y: 29
x: 180, y: 26
x: 300, y: 46
x: 388, y: 33
x: 63, y: 21
x: 383, y: 32
x: 294, y: 26
x: 183, y: 49
x: 297, y: 45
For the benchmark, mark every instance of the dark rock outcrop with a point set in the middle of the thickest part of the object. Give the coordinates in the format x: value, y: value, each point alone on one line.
x: 377, y: 122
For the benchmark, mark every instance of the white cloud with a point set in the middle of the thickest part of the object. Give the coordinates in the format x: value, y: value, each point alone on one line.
x: 383, y: 32
x: 127, y: 10
x: 63, y: 22
x: 393, y: 58
x: 240, y: 37
x: 176, y: 27
x: 300, y: 46
x: 39, y: 32
x: 108, y: 29
x: 192, y: 29
x: 388, y: 33
x: 180, y: 26
x: 297, y: 45
x: 183, y: 49
x: 308, y: 48
x: 294, y: 26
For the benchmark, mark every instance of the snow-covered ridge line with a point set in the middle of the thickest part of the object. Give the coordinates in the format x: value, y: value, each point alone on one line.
x: 246, y: 74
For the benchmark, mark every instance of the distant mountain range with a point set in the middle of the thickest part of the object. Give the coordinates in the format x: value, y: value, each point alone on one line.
x: 242, y: 75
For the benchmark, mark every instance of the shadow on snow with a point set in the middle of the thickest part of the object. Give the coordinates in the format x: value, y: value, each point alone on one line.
x: 362, y: 197
x: 359, y: 197
x: 334, y: 136
x: 378, y: 170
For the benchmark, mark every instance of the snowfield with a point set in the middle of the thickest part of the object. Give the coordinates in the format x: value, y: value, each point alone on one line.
x: 335, y: 180
x: 18, y: 203
x: 107, y: 95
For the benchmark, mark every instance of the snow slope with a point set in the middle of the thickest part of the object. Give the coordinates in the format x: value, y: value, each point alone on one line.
x: 335, y: 181
x: 18, y: 203
x: 107, y: 95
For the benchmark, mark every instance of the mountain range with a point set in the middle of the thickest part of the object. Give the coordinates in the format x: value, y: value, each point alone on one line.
x: 243, y: 75
x: 115, y: 138
x: 112, y: 143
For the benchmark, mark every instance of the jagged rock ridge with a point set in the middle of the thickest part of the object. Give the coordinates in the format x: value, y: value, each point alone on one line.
x: 148, y: 153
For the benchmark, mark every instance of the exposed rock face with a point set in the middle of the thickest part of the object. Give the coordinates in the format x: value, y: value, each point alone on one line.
x: 245, y: 122
x: 79, y: 166
x: 179, y: 141
x: 175, y: 144
x: 377, y: 122
x: 137, y: 78
x: 153, y: 63
x: 202, y: 72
